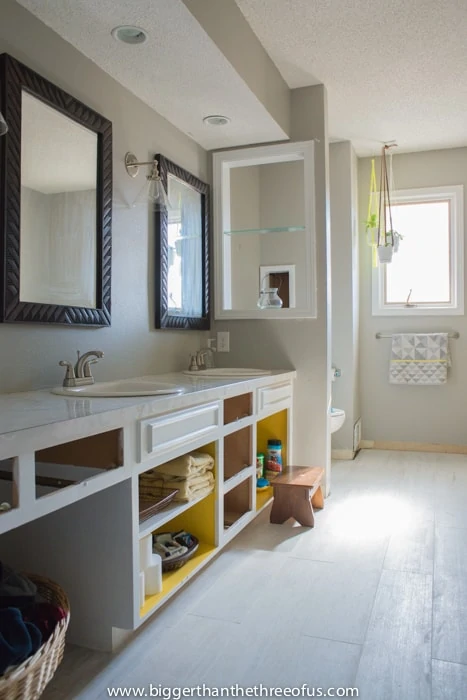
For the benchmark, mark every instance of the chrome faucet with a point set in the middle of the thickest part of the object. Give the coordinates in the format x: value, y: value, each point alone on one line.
x: 81, y: 374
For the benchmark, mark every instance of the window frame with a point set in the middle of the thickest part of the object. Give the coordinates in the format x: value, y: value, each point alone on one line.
x: 455, y: 195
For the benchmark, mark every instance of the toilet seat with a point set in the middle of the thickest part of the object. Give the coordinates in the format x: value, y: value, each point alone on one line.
x: 337, y: 419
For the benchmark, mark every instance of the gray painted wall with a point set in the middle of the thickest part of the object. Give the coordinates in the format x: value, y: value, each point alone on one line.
x: 29, y: 354
x: 345, y: 301
x: 410, y: 413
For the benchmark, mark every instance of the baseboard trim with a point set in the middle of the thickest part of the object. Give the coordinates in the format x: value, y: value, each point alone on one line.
x: 413, y: 446
x: 342, y: 454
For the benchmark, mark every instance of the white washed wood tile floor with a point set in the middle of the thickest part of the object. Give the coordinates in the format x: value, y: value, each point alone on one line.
x: 374, y: 597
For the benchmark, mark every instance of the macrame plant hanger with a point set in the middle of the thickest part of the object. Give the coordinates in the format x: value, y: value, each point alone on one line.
x: 372, y: 218
x: 384, y: 203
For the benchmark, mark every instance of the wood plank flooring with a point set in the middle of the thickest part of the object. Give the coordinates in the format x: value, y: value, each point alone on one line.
x: 374, y: 597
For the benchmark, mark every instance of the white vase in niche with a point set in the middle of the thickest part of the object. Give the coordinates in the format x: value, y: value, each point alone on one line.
x: 385, y: 253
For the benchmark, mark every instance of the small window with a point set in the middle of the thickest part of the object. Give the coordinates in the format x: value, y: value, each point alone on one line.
x: 426, y: 275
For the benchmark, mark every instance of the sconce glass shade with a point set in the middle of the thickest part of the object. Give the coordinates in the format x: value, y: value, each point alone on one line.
x: 154, y: 194
x: 3, y: 125
x: 269, y: 299
x: 157, y: 196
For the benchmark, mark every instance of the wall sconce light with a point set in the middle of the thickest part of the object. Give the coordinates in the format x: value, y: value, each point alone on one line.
x: 3, y: 125
x: 153, y: 192
x: 269, y: 297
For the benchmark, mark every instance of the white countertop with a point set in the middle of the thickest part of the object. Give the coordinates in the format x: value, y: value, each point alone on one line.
x: 35, y: 409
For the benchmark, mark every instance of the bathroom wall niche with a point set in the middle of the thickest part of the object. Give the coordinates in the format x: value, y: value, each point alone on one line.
x: 264, y: 230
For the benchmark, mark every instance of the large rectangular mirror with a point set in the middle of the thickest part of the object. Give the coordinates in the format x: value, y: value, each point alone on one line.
x: 55, y: 205
x: 182, y: 254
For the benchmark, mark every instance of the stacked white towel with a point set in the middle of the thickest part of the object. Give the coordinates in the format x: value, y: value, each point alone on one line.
x: 191, y: 474
x: 419, y: 358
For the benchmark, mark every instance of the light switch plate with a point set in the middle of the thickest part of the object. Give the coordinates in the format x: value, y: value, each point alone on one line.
x: 223, y: 341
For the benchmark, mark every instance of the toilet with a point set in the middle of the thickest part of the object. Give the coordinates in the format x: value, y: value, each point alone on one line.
x: 337, y: 416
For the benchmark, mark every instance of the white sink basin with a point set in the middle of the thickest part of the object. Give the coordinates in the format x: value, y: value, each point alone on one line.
x: 121, y: 387
x: 221, y: 372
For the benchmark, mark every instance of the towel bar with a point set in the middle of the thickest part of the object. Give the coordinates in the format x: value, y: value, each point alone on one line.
x: 455, y: 334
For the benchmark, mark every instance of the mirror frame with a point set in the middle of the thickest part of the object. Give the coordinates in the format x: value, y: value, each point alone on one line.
x: 14, y: 78
x: 163, y: 318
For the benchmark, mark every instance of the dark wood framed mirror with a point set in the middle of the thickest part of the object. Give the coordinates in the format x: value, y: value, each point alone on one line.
x: 182, y: 251
x: 55, y: 204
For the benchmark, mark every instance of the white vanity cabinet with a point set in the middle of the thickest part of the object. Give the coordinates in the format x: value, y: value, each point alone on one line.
x: 264, y: 231
x: 74, y: 487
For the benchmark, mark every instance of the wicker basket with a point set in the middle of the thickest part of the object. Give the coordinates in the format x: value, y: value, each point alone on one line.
x: 28, y: 680
x: 177, y: 562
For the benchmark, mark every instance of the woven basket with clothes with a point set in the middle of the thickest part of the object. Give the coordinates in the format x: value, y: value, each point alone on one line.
x: 28, y: 680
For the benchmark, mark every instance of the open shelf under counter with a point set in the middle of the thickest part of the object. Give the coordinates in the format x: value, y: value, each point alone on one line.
x: 169, y: 513
x: 238, y: 502
x: 237, y: 479
x: 237, y: 408
x: 173, y: 580
x: 263, y: 498
x: 238, y: 451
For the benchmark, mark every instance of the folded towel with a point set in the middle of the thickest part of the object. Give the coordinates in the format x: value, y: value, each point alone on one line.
x: 199, y: 493
x: 188, y: 489
x: 187, y: 464
x: 156, y: 480
x: 419, y: 358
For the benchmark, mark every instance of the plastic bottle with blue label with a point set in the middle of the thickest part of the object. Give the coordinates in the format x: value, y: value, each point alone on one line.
x: 274, y: 459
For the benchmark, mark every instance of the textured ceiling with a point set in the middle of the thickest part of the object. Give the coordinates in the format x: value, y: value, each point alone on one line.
x: 393, y: 70
x: 179, y: 71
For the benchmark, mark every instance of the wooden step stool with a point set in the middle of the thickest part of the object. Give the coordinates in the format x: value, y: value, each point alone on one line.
x: 296, y: 492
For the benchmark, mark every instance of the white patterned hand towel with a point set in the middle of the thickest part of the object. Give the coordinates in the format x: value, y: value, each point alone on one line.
x: 419, y: 358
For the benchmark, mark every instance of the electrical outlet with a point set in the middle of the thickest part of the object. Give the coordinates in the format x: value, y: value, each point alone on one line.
x: 223, y: 341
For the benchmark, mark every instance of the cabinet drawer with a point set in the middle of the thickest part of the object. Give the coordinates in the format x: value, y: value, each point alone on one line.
x: 274, y: 397
x: 173, y: 430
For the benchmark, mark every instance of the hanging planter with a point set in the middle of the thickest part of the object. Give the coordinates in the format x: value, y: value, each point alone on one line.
x: 388, y: 238
x: 385, y: 253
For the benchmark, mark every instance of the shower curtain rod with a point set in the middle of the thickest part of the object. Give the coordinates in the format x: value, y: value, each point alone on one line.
x: 455, y: 334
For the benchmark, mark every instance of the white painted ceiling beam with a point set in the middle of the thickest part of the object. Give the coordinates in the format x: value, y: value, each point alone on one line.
x: 227, y: 27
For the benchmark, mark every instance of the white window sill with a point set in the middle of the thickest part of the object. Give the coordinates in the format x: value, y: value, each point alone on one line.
x: 419, y: 311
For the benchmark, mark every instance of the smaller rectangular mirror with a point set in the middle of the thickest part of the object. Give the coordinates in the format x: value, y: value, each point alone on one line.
x: 182, y: 251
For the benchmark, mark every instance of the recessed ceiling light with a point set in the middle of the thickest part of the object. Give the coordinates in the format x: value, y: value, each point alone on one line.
x: 216, y: 120
x: 129, y: 34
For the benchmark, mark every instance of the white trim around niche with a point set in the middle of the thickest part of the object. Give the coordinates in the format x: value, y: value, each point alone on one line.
x: 223, y: 162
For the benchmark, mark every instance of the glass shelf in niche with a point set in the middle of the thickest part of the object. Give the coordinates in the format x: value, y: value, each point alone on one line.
x: 279, y: 229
